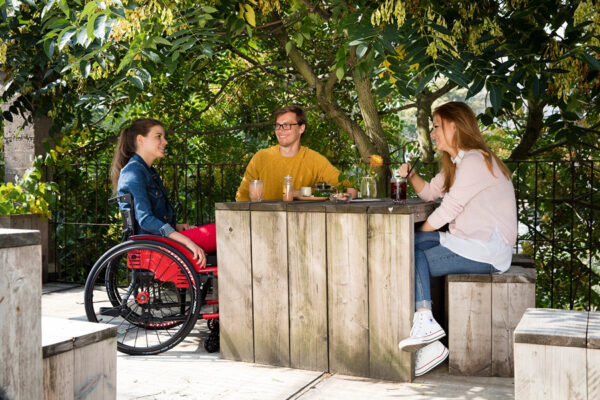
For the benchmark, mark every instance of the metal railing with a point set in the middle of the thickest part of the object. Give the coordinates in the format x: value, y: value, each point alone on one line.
x: 558, y: 202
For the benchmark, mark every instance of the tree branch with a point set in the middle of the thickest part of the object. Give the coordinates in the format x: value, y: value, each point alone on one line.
x: 216, y: 96
x: 325, y: 14
x: 397, y: 109
x: 547, y: 148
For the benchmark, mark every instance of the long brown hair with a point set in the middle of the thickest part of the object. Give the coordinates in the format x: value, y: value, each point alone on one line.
x: 126, y: 146
x: 467, y: 137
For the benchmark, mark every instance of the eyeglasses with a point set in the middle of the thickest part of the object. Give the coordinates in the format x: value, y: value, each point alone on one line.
x: 285, y: 126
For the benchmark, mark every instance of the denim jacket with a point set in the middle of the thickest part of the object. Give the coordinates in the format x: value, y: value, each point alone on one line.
x: 154, y: 214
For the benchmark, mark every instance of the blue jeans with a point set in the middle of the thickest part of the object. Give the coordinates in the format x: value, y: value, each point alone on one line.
x: 433, y: 259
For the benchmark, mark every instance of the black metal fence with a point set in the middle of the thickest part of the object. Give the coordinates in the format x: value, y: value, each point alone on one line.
x: 558, y: 202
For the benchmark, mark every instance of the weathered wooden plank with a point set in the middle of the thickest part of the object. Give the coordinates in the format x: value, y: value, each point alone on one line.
x: 58, y: 376
x: 391, y: 294
x: 235, y: 283
x: 593, y: 355
x: 593, y: 330
x: 20, y: 310
x: 515, y: 274
x: 523, y: 260
x: 348, y: 293
x: 545, y: 326
x: 60, y: 335
x: 509, y: 303
x: 95, y: 370
x: 549, y: 372
x: 270, y: 287
x: 593, y: 373
x: 308, y: 290
x: 469, y: 327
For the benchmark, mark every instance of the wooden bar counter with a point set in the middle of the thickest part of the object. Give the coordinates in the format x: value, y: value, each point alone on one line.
x: 318, y: 285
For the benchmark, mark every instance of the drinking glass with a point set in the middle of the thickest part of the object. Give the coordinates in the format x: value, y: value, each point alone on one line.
x: 368, y: 187
x: 256, y: 190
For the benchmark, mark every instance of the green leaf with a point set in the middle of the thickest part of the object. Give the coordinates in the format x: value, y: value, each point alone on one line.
x: 496, y: 97
x: 591, y: 60
x: 13, y: 5
x: 49, y: 47
x: 361, y: 50
x: 441, y: 29
x: 65, y: 36
x: 339, y: 72
x: 143, y: 74
x: 299, y: 39
x: 47, y: 7
x: 82, y: 38
x: 209, y: 9
x: 151, y: 55
x: 137, y: 82
x: 535, y: 88
x: 475, y: 88
x: 30, y: 2
x: 64, y: 7
x: 100, y: 60
x: 84, y: 68
x: 288, y: 47
x: 161, y: 40
x: 118, y: 11
x: 88, y: 9
x: 424, y: 82
x: 100, y: 26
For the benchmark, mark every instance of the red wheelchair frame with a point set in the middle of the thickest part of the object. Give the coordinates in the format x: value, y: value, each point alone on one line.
x: 152, y: 290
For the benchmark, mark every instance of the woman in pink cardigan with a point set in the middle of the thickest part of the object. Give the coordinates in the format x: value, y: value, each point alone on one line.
x: 478, y: 203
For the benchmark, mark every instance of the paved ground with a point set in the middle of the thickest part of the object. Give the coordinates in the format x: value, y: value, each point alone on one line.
x: 189, y: 372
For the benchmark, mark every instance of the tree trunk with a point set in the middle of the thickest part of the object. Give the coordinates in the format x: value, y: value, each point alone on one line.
x: 424, y: 102
x: 374, y: 130
x: 535, y: 123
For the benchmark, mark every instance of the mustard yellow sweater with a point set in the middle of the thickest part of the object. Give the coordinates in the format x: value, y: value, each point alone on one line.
x: 306, y: 168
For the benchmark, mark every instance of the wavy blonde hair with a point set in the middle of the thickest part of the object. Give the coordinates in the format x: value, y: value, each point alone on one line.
x: 467, y: 137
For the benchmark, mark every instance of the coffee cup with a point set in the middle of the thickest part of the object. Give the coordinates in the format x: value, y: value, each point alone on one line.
x: 306, y: 191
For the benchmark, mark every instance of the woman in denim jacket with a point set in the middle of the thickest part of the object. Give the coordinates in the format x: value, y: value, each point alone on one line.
x: 140, y: 144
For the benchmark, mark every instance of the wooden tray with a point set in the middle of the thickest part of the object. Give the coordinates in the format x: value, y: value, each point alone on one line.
x: 313, y: 198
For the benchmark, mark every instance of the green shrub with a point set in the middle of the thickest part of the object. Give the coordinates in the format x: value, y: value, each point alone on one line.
x: 29, y: 194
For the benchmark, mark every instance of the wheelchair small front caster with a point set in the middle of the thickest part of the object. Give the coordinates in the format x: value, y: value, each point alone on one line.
x: 211, y: 341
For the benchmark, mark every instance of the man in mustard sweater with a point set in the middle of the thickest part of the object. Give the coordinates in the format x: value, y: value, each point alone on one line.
x: 306, y: 166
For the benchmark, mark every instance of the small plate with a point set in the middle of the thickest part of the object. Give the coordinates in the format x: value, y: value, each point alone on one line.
x: 364, y: 200
x: 313, y: 198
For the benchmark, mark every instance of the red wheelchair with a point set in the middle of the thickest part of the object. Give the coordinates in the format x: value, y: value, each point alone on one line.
x: 152, y: 291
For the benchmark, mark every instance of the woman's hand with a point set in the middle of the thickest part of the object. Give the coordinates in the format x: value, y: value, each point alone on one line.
x: 199, y: 254
x: 403, y: 170
x: 183, y: 227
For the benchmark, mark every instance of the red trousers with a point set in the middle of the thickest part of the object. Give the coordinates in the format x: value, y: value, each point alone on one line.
x: 204, y: 236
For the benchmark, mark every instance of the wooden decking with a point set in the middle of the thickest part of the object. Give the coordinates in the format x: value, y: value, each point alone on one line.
x: 188, y: 371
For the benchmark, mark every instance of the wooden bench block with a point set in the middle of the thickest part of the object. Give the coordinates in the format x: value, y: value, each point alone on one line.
x: 522, y: 260
x: 79, y: 359
x: 20, y: 311
x: 593, y: 355
x: 550, y: 355
x: 483, y: 311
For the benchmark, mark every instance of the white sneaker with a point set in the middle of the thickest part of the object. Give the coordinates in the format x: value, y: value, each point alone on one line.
x: 429, y: 357
x: 424, y: 330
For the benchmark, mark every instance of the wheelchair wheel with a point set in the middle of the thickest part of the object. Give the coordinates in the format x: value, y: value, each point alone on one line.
x: 148, y: 291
